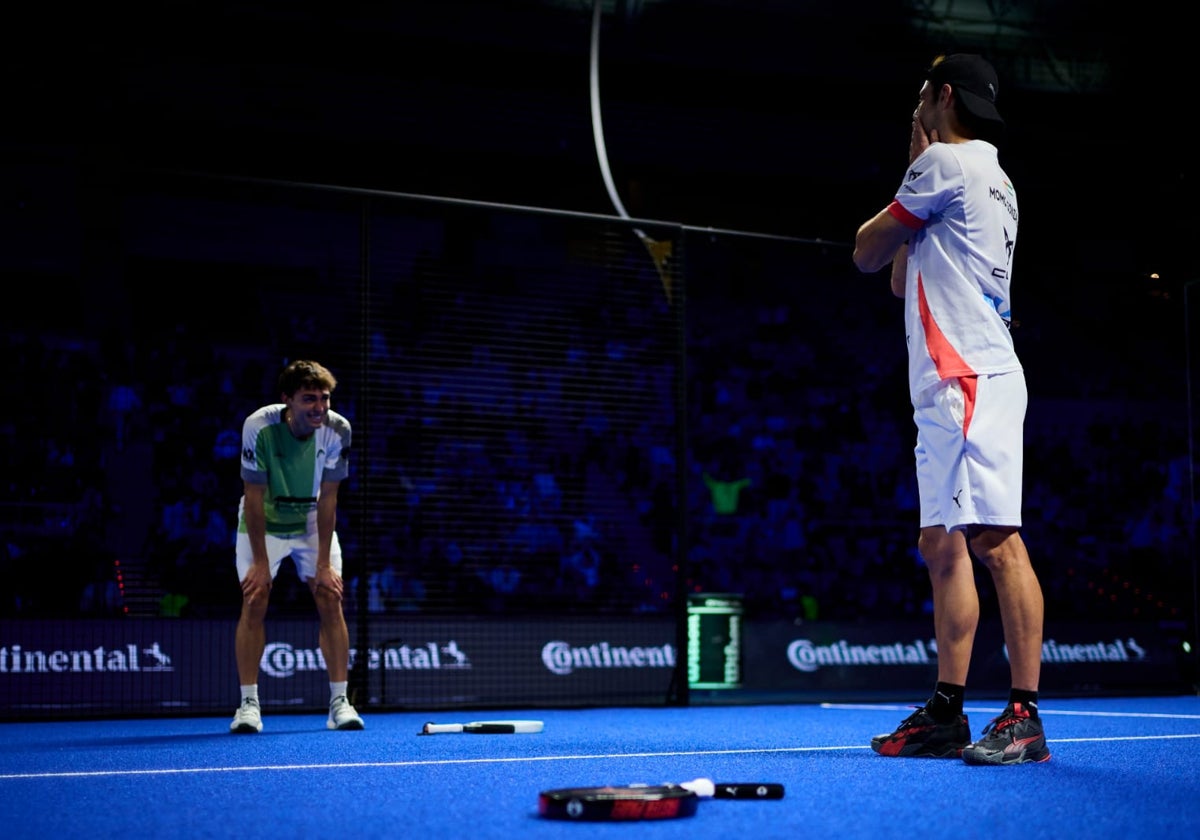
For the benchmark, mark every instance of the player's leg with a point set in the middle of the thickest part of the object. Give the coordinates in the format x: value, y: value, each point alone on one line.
x: 955, y: 600
x: 1015, y: 736
x: 333, y: 636
x: 939, y: 729
x: 944, y: 484
x: 250, y: 637
x: 1020, y: 599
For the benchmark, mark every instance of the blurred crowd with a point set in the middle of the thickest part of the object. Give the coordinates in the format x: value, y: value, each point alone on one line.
x: 550, y: 481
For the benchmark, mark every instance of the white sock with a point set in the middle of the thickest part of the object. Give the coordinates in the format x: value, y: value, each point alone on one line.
x: 336, y: 689
x: 250, y: 692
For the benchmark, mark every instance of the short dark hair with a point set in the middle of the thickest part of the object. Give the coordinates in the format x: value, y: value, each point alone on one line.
x: 303, y: 373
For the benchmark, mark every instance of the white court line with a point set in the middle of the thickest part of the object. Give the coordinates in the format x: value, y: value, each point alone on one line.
x: 90, y: 774
x: 986, y: 710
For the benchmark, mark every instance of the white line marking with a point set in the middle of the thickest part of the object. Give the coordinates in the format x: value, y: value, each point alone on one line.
x: 997, y: 709
x: 520, y: 759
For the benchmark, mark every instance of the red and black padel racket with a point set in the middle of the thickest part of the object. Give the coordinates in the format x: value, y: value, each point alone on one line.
x: 646, y: 802
x: 635, y: 802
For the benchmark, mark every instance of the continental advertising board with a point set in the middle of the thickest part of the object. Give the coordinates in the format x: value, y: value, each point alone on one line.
x: 102, y: 668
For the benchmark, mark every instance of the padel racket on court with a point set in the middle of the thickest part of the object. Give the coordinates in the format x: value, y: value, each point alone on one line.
x: 636, y: 802
x: 646, y: 802
x: 484, y: 727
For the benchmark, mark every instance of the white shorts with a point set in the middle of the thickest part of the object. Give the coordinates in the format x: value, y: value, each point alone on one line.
x: 970, y: 450
x: 302, y: 548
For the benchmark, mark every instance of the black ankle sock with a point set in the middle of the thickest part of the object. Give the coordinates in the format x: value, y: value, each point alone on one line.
x: 947, y: 702
x: 1028, y: 699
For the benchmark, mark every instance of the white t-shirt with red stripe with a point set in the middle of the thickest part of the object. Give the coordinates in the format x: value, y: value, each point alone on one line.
x: 962, y: 209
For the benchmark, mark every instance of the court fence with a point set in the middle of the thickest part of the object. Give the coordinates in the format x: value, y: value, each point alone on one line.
x: 567, y: 427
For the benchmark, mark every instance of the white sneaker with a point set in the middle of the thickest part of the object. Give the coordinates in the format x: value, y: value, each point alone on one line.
x: 342, y: 714
x: 247, y: 719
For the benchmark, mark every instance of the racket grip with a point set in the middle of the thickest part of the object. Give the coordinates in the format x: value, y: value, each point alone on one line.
x: 490, y: 728
x: 441, y: 728
x: 747, y: 790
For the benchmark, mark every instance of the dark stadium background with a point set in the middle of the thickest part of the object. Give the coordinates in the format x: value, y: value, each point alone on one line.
x: 182, y: 187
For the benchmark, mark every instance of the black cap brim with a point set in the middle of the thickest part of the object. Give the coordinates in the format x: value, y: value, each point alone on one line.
x: 978, y: 107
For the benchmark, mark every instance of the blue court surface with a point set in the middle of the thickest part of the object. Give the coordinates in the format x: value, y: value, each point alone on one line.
x: 1120, y: 767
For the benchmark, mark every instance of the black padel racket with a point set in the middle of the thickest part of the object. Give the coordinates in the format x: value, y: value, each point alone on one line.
x: 636, y: 802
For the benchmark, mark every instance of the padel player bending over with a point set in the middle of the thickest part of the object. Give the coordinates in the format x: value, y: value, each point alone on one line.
x: 294, y: 456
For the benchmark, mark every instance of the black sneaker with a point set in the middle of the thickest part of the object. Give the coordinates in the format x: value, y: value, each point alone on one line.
x: 1012, y: 738
x: 920, y: 736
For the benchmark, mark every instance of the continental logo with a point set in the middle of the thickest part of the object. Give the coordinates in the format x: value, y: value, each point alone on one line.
x: 807, y: 656
x: 563, y: 658
x: 125, y: 659
x: 1118, y: 650
x: 283, y: 661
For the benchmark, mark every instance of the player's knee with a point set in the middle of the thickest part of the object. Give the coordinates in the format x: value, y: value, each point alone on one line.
x: 937, y: 548
x: 254, y: 605
x: 326, y: 598
x: 996, y: 548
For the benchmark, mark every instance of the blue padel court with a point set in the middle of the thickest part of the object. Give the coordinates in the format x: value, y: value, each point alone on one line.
x: 1119, y: 767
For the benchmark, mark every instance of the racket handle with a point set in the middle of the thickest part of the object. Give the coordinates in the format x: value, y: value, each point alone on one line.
x: 441, y: 728
x: 490, y: 728
x: 708, y: 789
x: 747, y: 790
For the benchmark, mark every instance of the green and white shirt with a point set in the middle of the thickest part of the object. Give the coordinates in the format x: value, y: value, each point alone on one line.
x: 292, y: 469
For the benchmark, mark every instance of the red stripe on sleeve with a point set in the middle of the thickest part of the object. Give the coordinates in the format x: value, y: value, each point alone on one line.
x: 904, y: 217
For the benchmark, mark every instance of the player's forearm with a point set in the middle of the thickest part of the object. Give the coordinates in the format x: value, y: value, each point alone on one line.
x: 900, y: 271
x: 326, y: 522
x: 877, y: 241
x: 256, y: 530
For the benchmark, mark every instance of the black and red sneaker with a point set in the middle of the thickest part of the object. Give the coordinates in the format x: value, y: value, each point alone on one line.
x: 920, y: 736
x: 1012, y: 738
